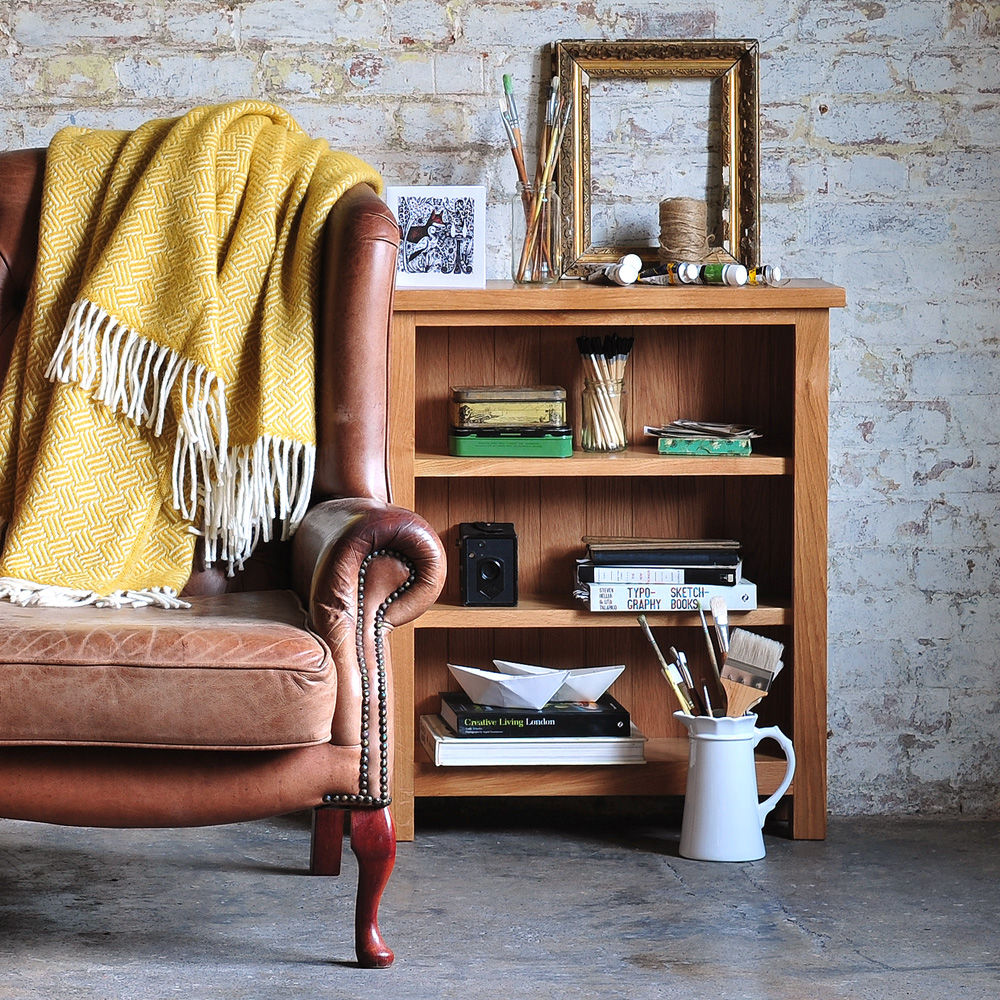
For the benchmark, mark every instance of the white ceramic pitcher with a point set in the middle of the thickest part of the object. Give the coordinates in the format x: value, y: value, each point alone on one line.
x: 722, y: 817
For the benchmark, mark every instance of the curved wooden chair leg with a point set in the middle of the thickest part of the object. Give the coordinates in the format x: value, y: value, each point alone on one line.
x: 327, y: 840
x: 373, y: 840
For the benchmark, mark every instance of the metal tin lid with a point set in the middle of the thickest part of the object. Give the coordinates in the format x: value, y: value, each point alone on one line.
x: 509, y: 393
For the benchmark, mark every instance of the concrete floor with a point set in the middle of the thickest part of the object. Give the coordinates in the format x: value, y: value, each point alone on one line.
x: 508, y: 902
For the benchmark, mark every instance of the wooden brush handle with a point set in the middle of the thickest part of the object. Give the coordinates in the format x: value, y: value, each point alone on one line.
x: 740, y: 697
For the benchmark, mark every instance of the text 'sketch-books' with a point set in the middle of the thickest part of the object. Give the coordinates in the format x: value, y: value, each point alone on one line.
x: 605, y: 717
x: 446, y: 749
x: 667, y: 597
x: 588, y: 572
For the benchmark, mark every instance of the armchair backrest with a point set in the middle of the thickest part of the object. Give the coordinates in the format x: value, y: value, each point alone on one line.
x: 360, y: 242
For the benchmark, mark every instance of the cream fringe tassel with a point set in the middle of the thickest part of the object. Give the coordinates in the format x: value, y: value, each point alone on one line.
x: 231, y: 495
x: 27, y: 594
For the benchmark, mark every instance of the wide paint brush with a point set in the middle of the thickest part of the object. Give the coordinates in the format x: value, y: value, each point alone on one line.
x: 751, y: 664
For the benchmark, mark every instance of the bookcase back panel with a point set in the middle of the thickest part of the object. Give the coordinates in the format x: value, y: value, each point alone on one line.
x: 730, y: 374
x: 552, y: 515
x: 641, y: 687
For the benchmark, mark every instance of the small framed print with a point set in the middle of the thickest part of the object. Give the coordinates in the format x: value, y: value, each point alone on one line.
x: 443, y: 235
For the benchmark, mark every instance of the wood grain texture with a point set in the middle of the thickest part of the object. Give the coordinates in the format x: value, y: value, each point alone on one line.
x: 754, y: 355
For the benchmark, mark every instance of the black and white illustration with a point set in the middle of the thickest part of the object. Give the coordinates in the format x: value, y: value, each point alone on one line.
x: 442, y: 236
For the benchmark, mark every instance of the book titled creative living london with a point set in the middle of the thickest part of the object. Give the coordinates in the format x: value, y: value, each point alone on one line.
x: 604, y: 717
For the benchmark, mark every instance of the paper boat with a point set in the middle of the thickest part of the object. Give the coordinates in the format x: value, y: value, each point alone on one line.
x: 581, y: 684
x: 508, y: 690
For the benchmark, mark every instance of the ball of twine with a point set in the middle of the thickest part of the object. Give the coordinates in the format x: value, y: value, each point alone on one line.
x: 684, y: 229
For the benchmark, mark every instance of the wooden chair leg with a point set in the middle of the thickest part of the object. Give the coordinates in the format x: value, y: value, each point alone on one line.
x: 327, y: 840
x: 373, y: 840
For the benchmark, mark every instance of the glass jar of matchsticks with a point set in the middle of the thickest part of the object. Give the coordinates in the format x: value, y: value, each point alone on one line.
x: 536, y: 229
x: 603, y: 415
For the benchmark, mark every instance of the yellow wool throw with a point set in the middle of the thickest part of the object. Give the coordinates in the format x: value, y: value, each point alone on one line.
x: 161, y: 386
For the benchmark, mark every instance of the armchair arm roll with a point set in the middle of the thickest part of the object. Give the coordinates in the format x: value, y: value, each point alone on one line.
x: 361, y: 567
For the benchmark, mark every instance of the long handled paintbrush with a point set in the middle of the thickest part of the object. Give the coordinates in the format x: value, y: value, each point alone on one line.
x: 751, y: 664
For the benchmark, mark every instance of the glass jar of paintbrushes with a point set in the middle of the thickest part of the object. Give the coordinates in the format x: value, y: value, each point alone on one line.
x: 603, y: 403
x: 536, y: 230
x: 536, y: 246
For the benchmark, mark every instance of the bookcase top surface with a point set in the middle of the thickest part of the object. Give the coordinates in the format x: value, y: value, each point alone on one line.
x: 571, y: 295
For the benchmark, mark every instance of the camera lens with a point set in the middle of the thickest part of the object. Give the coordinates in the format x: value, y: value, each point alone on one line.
x: 489, y: 569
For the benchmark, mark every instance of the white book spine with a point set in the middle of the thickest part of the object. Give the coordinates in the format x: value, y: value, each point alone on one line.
x: 638, y: 574
x: 669, y: 597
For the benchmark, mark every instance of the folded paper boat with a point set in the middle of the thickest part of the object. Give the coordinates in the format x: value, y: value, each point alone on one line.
x: 508, y: 690
x: 581, y: 684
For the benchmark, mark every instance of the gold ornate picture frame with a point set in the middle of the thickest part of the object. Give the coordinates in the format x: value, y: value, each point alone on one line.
x: 731, y: 65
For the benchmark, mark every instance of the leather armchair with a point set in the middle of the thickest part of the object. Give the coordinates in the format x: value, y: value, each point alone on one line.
x: 273, y: 693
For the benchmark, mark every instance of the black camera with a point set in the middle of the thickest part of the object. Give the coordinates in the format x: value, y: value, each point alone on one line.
x: 487, y: 563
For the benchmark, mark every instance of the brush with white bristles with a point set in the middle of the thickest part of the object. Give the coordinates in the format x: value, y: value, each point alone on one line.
x: 751, y: 664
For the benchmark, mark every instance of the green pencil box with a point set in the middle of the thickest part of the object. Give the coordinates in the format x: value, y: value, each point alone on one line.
x: 703, y: 446
x: 511, y: 442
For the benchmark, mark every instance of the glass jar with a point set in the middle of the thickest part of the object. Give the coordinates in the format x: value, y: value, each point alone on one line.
x: 603, y: 415
x: 536, y: 230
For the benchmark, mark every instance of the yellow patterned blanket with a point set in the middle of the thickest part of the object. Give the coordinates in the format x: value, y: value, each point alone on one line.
x: 161, y: 386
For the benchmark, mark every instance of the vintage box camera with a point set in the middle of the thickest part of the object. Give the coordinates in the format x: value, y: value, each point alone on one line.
x: 487, y: 563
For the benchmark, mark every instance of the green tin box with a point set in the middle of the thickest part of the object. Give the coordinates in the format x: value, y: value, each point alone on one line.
x: 703, y: 446
x: 511, y: 442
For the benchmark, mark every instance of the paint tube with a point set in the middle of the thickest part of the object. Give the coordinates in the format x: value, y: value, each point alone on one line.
x: 622, y: 272
x: 764, y: 274
x: 678, y: 272
x: 723, y: 274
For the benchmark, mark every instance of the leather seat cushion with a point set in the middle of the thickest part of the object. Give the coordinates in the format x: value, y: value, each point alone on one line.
x: 235, y: 671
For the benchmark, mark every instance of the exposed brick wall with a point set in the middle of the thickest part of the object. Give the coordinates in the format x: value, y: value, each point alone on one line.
x: 879, y: 127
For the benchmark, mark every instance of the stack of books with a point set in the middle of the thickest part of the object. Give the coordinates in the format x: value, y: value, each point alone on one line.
x: 465, y: 733
x: 662, y: 574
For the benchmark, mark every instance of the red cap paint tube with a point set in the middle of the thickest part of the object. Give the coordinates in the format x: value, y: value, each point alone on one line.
x: 622, y: 272
x: 678, y: 272
x: 765, y: 274
x: 723, y: 274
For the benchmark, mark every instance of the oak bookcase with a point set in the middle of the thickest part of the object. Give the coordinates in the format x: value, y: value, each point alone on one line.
x: 746, y: 355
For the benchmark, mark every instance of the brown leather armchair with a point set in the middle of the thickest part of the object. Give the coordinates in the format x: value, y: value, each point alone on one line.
x: 273, y: 693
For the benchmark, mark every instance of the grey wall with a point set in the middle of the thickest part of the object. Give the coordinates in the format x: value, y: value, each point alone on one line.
x: 879, y: 124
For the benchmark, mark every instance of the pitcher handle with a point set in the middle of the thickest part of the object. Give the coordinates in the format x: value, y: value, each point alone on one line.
x: 774, y: 733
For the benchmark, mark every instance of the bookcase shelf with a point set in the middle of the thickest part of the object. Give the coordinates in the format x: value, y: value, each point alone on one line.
x: 665, y: 768
x: 563, y: 612
x: 640, y: 460
x: 747, y: 355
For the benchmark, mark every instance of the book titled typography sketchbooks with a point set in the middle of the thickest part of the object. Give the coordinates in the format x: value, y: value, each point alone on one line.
x: 667, y: 597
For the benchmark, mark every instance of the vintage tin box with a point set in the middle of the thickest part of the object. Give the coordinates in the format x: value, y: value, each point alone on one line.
x: 473, y: 406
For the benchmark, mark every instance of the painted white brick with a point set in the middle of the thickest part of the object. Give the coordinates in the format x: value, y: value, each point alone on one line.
x: 916, y: 22
x: 860, y: 73
x: 463, y: 73
x: 956, y: 71
x: 190, y: 23
x: 185, y: 77
x: 888, y: 120
x: 273, y: 22
x: 955, y: 373
x: 49, y: 23
x: 422, y: 21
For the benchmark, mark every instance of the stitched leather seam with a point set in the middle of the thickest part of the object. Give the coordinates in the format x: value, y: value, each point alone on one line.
x: 364, y: 797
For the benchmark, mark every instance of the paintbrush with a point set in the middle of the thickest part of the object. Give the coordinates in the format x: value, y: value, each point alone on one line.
x: 749, y: 668
x: 720, y: 618
x: 670, y: 671
x: 718, y: 700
